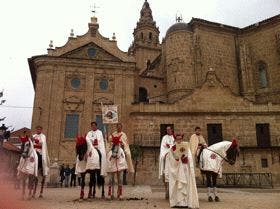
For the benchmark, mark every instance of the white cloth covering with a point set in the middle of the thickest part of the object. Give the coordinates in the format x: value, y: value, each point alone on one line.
x: 91, y: 136
x: 118, y: 163
x: 125, y: 144
x: 44, y: 152
x: 182, y: 184
x: 211, y: 158
x: 166, y: 143
x: 29, y: 165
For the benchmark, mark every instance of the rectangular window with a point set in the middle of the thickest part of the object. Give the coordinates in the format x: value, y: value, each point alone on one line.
x: 71, y: 126
x: 163, y: 129
x: 215, y: 134
x: 264, y: 163
x: 263, y: 134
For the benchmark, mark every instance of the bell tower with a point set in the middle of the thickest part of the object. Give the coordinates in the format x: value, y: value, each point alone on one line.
x: 145, y: 46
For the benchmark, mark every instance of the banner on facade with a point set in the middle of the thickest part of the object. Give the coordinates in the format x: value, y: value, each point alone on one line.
x: 110, y: 113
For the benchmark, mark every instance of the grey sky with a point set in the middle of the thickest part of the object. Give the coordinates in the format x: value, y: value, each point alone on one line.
x: 28, y: 26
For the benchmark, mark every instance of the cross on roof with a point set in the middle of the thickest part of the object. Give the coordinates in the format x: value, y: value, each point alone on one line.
x: 94, y: 9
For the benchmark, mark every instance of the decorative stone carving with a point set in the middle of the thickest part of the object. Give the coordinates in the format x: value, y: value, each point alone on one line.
x: 73, y: 103
x: 103, y: 100
x: 211, y: 78
x: 246, y: 67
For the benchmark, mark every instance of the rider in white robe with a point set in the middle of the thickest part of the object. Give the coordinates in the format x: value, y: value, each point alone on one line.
x: 40, y: 146
x: 182, y: 184
x: 95, y: 139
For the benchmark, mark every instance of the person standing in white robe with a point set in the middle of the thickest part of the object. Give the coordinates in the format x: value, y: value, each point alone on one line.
x: 182, y: 184
x: 166, y: 143
x: 197, y: 142
x: 95, y: 138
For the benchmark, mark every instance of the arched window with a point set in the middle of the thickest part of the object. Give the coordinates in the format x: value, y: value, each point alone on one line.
x: 150, y: 36
x: 262, y: 71
x: 142, y: 36
x: 143, y: 94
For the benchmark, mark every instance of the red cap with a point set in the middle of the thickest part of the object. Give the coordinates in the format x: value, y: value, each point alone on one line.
x: 233, y: 143
x: 80, y: 140
x: 116, y: 139
x: 24, y: 139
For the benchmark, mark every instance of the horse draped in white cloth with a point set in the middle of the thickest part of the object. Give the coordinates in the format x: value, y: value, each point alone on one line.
x: 28, y: 166
x: 211, y: 160
x: 88, y: 161
x: 116, y: 165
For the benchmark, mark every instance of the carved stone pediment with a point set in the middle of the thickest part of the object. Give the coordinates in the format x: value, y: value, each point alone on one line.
x: 73, y: 103
x: 91, y: 51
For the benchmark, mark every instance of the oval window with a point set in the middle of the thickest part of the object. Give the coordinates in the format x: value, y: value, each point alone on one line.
x: 75, y: 83
x: 104, y: 84
x: 91, y: 52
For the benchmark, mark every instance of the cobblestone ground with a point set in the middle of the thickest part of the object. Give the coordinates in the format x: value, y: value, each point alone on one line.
x: 144, y: 197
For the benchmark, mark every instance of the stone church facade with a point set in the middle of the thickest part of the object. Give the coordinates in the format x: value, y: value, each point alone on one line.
x: 222, y: 78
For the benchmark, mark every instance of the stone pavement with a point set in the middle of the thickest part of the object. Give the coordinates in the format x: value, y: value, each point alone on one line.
x: 144, y: 197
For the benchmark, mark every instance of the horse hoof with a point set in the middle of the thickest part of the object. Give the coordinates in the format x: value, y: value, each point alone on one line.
x: 40, y: 196
x: 210, y: 199
x: 217, y: 199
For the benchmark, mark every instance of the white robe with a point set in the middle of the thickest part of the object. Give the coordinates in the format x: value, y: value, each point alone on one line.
x: 29, y: 165
x: 91, y: 136
x: 213, y: 161
x: 116, y: 164
x: 182, y: 184
x: 44, y: 152
x: 163, y: 169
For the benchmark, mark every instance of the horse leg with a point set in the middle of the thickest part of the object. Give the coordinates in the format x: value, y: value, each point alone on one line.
x: 42, y: 186
x: 83, y: 175
x: 35, y: 183
x: 90, y: 184
x: 120, y: 184
x: 94, y: 184
x: 214, y: 178
x: 208, y: 181
x: 30, y: 186
x: 23, y: 186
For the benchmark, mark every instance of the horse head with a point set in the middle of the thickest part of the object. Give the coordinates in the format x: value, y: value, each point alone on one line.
x: 116, y: 140
x: 25, y: 146
x: 81, y: 147
x: 232, y: 152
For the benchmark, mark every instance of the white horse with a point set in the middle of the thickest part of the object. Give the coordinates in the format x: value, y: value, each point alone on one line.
x: 211, y: 160
x: 28, y: 167
x: 116, y: 165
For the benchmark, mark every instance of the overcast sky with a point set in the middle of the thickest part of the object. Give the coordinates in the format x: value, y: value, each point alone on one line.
x: 28, y: 26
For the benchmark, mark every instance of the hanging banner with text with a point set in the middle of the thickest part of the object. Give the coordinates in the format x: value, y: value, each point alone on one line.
x: 110, y: 113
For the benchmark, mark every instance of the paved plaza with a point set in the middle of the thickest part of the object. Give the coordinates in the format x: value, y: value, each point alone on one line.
x: 140, y: 197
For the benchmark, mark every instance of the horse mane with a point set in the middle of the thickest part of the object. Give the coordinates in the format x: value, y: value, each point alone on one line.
x: 81, y: 150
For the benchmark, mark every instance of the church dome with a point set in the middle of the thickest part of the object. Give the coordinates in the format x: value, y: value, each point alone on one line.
x: 180, y: 26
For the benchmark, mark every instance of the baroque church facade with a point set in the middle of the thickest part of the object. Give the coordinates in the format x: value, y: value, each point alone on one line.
x: 222, y: 78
